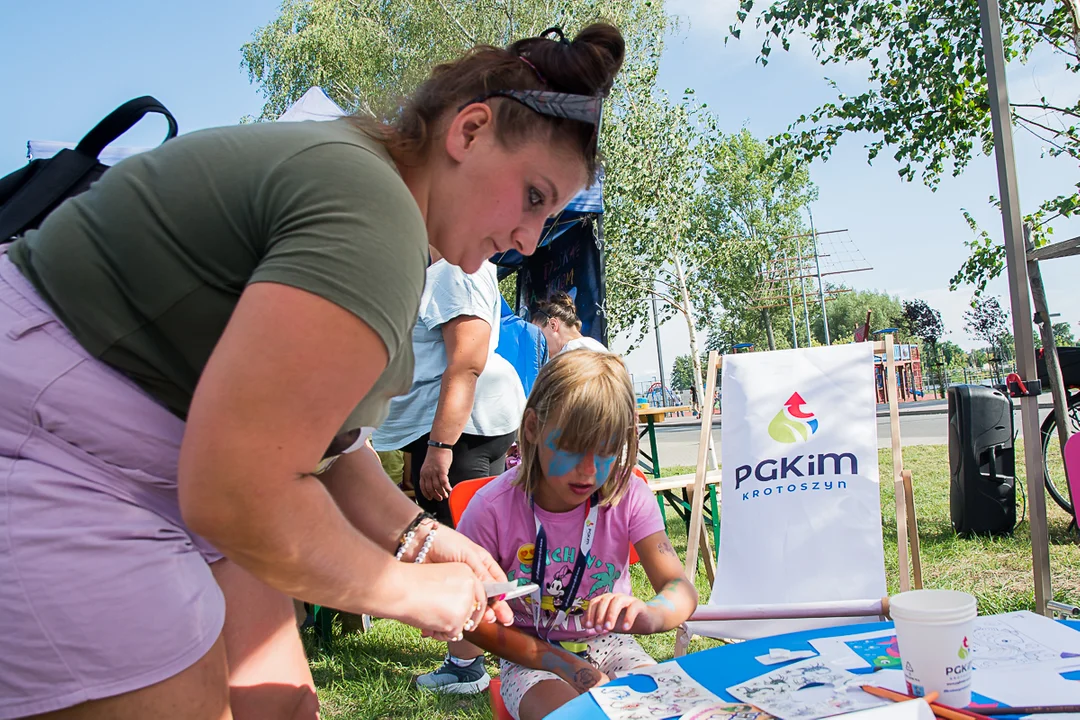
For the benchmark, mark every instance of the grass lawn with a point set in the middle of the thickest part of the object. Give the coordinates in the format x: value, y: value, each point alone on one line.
x: 370, y: 676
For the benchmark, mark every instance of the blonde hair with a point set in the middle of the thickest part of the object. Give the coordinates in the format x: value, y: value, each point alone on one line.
x: 588, y: 396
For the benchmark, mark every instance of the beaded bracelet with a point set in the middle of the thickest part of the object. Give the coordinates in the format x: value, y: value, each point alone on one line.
x: 409, y: 534
x: 428, y: 542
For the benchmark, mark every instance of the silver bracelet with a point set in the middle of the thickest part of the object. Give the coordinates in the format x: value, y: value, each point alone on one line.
x: 428, y: 542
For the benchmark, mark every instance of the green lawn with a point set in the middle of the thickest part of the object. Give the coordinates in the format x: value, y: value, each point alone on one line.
x: 370, y: 676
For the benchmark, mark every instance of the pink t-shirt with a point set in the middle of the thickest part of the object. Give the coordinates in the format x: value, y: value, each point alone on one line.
x: 499, y: 518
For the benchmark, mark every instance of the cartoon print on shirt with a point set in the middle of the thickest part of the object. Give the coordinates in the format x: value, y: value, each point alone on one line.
x: 557, y: 587
x: 603, y: 582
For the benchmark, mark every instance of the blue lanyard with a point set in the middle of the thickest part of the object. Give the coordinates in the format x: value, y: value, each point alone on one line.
x: 581, y: 563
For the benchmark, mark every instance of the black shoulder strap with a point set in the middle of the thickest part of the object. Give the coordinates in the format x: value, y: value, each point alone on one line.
x: 119, y: 121
x: 58, y: 177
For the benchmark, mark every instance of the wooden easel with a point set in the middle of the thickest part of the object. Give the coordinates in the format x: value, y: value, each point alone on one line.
x: 696, y: 537
x: 907, y: 528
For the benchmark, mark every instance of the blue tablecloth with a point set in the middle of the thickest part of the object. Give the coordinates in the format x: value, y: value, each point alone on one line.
x: 720, y: 668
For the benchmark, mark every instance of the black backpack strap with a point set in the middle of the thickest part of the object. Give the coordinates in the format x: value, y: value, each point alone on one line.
x: 119, y: 121
x: 33, y: 192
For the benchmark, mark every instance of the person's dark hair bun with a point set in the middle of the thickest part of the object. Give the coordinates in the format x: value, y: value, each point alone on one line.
x: 562, y: 300
x: 586, y: 66
x: 559, y: 305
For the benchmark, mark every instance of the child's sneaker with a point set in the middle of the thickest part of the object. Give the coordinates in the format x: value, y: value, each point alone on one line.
x: 455, y: 679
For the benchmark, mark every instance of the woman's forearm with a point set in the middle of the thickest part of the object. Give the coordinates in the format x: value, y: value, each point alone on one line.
x: 456, y: 394
x: 368, y: 498
x: 532, y: 652
x: 294, y: 538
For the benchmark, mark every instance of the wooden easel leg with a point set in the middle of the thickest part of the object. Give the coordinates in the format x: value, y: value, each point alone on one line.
x: 913, y: 529
x: 682, y: 640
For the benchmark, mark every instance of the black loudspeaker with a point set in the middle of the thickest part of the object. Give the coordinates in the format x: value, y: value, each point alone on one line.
x: 982, y: 493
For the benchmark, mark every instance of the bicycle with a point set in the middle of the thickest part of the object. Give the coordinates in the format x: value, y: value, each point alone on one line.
x: 1053, y: 467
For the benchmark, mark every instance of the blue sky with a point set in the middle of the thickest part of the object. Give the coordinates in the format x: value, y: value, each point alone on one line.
x: 78, y: 60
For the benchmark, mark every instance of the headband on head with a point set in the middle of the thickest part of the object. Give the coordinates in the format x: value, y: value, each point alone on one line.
x: 539, y: 75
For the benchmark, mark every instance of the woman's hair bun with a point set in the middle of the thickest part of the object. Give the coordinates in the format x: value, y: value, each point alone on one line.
x: 601, y: 48
x: 585, y: 66
x: 563, y: 300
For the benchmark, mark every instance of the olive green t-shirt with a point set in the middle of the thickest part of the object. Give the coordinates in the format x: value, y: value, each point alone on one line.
x: 146, y: 267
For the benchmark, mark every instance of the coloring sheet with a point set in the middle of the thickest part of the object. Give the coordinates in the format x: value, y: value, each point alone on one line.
x: 653, y: 693
x: 727, y: 711
x: 1011, y: 640
x: 806, y: 690
x: 1021, y: 639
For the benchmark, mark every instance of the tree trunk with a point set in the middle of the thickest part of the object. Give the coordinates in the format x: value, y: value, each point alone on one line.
x: 768, y: 327
x: 695, y: 356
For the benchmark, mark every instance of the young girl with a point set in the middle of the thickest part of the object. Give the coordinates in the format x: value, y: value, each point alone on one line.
x: 565, y: 519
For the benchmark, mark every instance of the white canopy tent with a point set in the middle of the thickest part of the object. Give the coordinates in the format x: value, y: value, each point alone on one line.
x: 313, y: 105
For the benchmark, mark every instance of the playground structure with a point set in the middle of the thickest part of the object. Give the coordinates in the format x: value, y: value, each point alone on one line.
x: 659, y: 396
x: 909, y: 378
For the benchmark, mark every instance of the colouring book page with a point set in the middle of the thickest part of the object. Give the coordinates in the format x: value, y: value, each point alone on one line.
x: 806, y: 690
x: 665, y: 691
x: 1018, y: 639
x: 728, y: 711
x: 1022, y: 639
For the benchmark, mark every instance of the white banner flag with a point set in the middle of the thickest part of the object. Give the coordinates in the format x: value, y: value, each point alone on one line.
x: 801, y: 517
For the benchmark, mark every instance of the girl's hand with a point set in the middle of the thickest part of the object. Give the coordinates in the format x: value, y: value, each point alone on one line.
x: 619, y: 613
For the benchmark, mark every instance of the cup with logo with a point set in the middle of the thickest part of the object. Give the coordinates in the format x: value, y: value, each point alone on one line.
x: 933, y: 628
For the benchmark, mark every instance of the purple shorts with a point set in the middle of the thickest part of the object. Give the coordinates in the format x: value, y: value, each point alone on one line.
x: 103, y: 590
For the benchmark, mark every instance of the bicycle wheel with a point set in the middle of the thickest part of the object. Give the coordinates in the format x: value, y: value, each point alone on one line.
x: 1053, y: 468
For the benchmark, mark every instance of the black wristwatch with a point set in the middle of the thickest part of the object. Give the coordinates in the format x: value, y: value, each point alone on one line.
x: 436, y: 443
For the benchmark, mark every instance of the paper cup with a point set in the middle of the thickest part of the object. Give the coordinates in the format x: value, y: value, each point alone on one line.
x: 932, y: 631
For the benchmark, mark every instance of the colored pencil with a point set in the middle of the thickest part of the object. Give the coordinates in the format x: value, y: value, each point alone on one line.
x: 1030, y: 710
x: 942, y: 711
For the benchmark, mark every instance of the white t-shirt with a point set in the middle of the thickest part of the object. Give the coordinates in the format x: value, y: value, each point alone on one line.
x: 499, y: 400
x: 584, y: 343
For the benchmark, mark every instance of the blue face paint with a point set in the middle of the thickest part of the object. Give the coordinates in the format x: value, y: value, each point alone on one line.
x: 603, y: 468
x: 562, y: 462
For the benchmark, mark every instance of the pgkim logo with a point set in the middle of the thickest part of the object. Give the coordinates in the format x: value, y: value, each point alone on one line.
x: 793, y: 423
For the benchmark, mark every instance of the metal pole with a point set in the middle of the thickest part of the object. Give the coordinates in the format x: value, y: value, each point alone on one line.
x: 802, y: 284
x: 659, y: 354
x: 820, y: 285
x: 791, y: 305
x: 1016, y: 266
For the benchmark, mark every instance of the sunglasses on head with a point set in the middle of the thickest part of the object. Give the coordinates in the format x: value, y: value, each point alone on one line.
x: 581, y: 108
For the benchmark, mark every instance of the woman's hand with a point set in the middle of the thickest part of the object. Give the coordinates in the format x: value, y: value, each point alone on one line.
x: 443, y: 600
x: 451, y: 546
x: 620, y: 613
x: 435, y: 473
